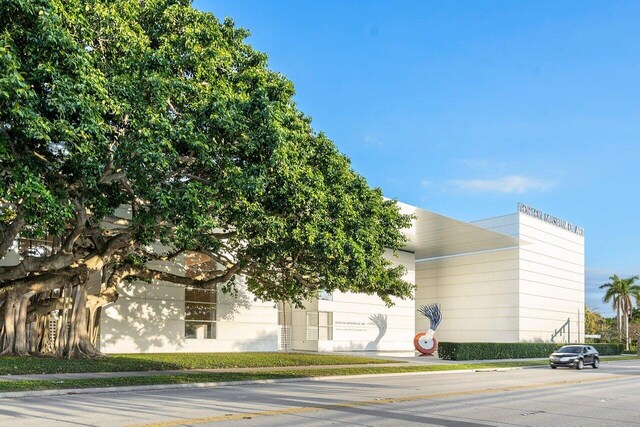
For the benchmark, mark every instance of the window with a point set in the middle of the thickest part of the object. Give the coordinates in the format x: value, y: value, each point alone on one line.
x: 312, y: 325
x: 319, y: 326
x: 200, y: 313
x: 325, y: 326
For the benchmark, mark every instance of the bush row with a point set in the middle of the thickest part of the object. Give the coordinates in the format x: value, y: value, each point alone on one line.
x: 515, y: 350
x: 608, y: 349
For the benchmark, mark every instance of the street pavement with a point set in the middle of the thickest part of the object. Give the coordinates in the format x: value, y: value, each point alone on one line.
x: 609, y: 396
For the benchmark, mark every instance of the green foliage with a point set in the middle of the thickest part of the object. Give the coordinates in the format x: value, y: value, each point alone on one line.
x: 608, y: 349
x: 621, y: 292
x: 594, y: 323
x: 186, y: 378
x: 163, y: 108
x: 190, y: 378
x: 52, y: 105
x: 173, y: 361
x: 486, y: 350
x: 518, y: 350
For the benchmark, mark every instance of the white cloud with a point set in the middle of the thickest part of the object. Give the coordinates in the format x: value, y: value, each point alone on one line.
x: 509, y: 184
x: 371, y: 140
x: 487, y: 165
x: 425, y: 183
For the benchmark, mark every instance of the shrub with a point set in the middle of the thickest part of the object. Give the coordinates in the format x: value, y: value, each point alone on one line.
x: 512, y: 350
x: 608, y: 349
x: 491, y: 350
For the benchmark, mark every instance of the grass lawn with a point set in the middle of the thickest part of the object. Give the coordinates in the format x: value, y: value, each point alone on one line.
x: 6, y: 386
x: 183, y: 361
x: 295, y: 359
x: 185, y: 378
x: 172, y: 361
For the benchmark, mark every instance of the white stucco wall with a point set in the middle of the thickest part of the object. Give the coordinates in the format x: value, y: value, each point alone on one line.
x: 296, y: 318
x: 354, y: 326
x: 150, y: 318
x: 12, y: 257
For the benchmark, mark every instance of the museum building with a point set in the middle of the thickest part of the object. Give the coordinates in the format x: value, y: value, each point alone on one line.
x: 513, y: 278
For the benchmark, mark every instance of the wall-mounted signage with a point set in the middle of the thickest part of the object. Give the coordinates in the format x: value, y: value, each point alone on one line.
x: 528, y: 210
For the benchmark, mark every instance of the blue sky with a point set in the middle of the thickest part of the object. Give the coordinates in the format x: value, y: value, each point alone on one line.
x: 466, y: 108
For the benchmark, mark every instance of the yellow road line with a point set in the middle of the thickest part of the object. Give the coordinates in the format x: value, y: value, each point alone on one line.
x: 384, y: 401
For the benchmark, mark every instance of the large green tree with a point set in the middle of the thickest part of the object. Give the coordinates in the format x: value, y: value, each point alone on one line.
x: 621, y: 292
x: 163, y: 110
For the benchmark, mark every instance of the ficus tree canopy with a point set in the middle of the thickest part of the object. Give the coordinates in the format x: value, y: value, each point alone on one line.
x: 162, y: 110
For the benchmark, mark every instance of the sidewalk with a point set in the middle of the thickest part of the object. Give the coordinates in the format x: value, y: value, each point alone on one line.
x: 414, y: 358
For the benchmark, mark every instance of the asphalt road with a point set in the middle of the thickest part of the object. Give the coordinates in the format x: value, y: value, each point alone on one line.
x: 608, y: 396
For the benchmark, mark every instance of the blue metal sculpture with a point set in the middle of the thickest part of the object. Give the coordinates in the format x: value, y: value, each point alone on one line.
x: 433, y: 313
x: 424, y: 342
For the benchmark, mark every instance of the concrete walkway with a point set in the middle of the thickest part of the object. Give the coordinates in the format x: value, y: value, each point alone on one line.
x: 414, y: 358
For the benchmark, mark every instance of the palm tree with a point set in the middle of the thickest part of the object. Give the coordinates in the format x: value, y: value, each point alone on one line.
x: 619, y: 293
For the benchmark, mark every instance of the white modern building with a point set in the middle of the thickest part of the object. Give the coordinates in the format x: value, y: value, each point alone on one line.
x: 513, y: 278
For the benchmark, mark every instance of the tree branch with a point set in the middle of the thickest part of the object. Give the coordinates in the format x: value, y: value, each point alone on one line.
x: 11, y: 233
x: 57, y: 261
x: 81, y: 220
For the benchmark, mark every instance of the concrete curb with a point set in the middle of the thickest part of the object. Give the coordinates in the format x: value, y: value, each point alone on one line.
x: 99, y: 390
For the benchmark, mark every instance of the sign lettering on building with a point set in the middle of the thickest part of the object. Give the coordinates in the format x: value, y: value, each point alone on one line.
x: 528, y: 210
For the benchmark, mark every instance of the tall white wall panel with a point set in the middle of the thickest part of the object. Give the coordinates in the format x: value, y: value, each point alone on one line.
x: 551, y: 282
x: 478, y: 294
x: 519, y: 294
x: 150, y: 318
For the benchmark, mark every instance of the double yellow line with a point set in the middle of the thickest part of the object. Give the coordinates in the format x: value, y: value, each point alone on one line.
x: 385, y: 401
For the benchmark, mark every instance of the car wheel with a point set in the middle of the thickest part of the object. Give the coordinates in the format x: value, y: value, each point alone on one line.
x: 554, y: 367
x: 580, y: 364
x: 596, y: 363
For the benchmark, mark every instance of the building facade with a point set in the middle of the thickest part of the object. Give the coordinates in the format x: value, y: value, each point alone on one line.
x: 513, y: 278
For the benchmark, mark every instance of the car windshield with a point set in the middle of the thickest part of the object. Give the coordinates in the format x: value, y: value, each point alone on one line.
x: 570, y: 349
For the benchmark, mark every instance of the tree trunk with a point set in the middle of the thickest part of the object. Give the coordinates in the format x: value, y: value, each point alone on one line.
x: 94, y: 323
x: 62, y: 333
x: 34, y: 334
x: 9, y: 335
x: 626, y: 330
x: 619, y: 320
x: 79, y: 345
x: 21, y: 347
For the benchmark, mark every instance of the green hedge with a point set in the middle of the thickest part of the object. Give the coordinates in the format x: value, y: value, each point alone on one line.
x: 608, y: 349
x: 515, y: 350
